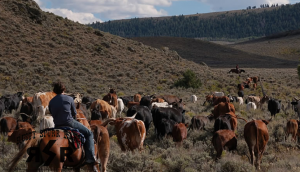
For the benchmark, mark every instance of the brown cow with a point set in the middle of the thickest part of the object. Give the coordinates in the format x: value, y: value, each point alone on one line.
x: 131, y: 132
x: 158, y: 100
x: 169, y: 98
x: 103, y: 107
x: 7, y: 124
x: 240, y: 87
x: 209, y: 99
x: 23, y: 125
x: 218, y: 100
x: 101, y: 137
x: 223, y: 108
x: 256, y: 136
x: 130, y: 104
x: 254, y: 79
x: 111, y: 98
x: 95, y: 122
x: 137, y: 98
x: 179, y: 133
x: 292, y: 128
x: 224, y: 139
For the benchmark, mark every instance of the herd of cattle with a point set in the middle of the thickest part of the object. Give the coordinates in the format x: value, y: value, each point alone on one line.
x: 166, y: 112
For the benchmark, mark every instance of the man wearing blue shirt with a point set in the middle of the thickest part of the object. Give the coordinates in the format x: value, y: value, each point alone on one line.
x: 63, y: 110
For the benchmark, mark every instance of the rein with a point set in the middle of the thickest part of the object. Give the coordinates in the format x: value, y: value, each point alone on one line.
x: 82, y: 118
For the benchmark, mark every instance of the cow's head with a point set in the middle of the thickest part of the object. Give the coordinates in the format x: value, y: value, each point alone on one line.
x: 179, y: 106
x: 96, y: 114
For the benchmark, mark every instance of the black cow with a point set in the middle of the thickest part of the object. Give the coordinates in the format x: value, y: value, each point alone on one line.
x: 88, y: 101
x: 232, y: 98
x: 26, y: 111
x: 95, y: 113
x: 222, y: 122
x: 12, y: 101
x: 146, y: 101
x: 165, y: 127
x: 2, y: 105
x: 199, y: 122
x: 159, y: 113
x: 127, y: 99
x: 143, y: 114
x: 241, y: 93
x: 274, y: 106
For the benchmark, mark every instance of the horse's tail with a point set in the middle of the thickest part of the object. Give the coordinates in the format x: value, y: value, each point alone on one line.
x: 19, y: 156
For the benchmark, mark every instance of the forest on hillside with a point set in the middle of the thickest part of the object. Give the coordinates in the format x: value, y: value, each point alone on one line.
x: 229, y: 25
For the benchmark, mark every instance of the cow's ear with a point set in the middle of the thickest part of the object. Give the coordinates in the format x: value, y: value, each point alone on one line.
x: 112, y: 122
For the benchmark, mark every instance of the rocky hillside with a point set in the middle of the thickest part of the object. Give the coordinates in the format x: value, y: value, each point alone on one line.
x: 38, y: 48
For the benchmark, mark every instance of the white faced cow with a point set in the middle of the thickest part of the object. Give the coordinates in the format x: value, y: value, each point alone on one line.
x: 251, y: 105
x: 193, y: 98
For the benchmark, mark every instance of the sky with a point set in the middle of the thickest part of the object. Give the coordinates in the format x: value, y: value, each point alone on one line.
x: 89, y: 11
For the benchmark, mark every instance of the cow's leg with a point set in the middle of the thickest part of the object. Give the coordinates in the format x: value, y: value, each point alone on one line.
x: 219, y: 150
x: 251, y: 150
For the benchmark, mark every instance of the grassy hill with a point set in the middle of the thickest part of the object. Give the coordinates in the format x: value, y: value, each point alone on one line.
x: 38, y: 48
x: 283, y: 45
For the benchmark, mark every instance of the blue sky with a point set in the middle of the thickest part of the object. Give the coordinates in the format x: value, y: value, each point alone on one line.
x: 88, y: 11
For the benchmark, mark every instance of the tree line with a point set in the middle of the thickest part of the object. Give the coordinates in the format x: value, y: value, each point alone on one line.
x: 231, y: 25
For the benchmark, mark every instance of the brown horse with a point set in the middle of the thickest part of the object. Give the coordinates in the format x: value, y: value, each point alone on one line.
x: 236, y: 71
x: 54, y: 150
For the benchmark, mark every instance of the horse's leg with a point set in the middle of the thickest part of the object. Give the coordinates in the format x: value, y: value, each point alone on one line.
x: 33, y: 166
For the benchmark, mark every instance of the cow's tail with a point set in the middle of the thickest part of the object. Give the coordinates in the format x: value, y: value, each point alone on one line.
x: 257, y: 144
x: 31, y: 143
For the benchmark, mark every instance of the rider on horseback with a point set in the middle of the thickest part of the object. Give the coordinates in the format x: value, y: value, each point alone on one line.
x: 237, y: 68
x: 63, y: 110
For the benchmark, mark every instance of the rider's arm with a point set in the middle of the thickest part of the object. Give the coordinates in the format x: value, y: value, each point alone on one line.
x: 73, y: 110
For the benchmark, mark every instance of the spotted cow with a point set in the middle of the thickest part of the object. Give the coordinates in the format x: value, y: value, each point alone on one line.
x: 40, y: 104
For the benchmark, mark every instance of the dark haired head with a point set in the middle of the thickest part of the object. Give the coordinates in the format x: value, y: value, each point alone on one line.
x: 58, y: 88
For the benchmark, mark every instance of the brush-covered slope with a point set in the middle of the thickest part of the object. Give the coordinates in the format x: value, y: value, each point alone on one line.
x: 215, y: 55
x: 38, y: 48
x: 283, y: 45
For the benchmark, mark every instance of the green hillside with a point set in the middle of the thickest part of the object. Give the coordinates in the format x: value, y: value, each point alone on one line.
x: 230, y: 25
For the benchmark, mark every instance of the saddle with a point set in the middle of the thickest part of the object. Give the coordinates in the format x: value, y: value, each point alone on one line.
x: 76, y: 139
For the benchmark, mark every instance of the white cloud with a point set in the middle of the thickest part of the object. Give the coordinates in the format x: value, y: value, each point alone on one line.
x: 81, y: 10
x: 83, y: 18
x: 221, y: 5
